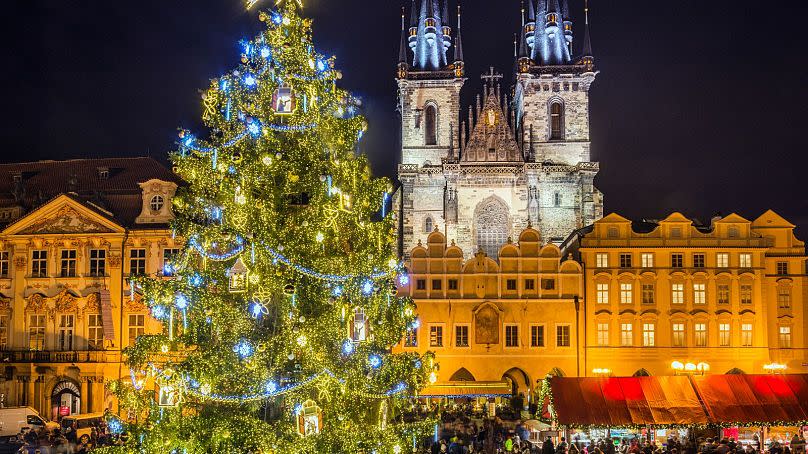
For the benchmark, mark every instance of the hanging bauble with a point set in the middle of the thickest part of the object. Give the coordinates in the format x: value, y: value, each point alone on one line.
x: 302, y: 319
x: 262, y: 16
x: 289, y: 289
x: 291, y: 356
x: 278, y: 155
x: 244, y: 58
x: 323, y: 178
x: 237, y: 157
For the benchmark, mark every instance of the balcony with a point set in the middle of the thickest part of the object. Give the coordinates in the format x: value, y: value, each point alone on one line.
x: 83, y: 356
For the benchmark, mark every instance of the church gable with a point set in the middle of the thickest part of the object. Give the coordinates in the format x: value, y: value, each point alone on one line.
x: 62, y: 215
x: 492, y: 139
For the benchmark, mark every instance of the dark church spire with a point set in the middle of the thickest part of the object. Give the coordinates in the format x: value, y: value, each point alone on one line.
x: 458, y: 50
x: 402, y: 52
x: 588, y: 58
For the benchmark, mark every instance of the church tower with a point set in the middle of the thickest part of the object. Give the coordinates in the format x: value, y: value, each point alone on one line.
x: 551, y: 103
x: 429, y: 78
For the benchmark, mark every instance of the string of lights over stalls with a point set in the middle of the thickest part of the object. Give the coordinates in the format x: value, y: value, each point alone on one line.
x: 281, y: 309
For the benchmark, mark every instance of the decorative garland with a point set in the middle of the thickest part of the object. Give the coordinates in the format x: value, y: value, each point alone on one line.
x: 194, y: 243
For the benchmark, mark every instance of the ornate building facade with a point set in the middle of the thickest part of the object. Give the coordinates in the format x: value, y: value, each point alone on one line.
x: 73, y: 231
x: 515, y: 159
x: 514, y: 321
x: 731, y: 294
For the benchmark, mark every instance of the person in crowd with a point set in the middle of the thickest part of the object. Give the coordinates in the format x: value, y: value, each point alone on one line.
x: 547, y: 447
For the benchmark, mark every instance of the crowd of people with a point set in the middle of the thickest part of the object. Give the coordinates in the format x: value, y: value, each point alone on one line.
x: 67, y: 441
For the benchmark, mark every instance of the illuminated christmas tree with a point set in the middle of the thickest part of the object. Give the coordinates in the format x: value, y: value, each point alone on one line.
x: 280, y: 312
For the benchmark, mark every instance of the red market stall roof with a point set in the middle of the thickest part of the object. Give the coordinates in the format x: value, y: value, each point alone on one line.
x: 467, y: 389
x: 754, y: 399
x: 625, y: 401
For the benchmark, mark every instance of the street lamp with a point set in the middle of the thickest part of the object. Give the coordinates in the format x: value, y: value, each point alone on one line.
x: 601, y: 371
x: 774, y: 368
x: 690, y: 368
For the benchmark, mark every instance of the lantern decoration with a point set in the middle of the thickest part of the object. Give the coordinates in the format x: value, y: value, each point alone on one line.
x: 359, y: 325
x: 284, y: 101
x: 309, y: 419
x: 237, y: 277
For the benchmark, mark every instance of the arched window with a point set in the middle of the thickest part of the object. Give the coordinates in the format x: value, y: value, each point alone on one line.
x: 491, y: 225
x: 556, y: 121
x: 428, y: 225
x: 431, y: 125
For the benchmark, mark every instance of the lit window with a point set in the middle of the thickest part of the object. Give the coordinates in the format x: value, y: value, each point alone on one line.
x: 723, y: 335
x: 602, y: 260
x: 785, y: 337
x: 556, y: 121
x: 678, y: 338
x: 537, y: 336
x: 722, y: 260
x: 603, y: 334
x: 626, y: 293
x: 511, y: 336
x: 648, y: 294
x: 745, y: 260
x: 461, y: 336
x: 563, y: 336
x: 626, y: 334
x: 603, y: 293
x: 677, y: 293
x: 647, y: 259
x: 699, y: 293
x: 746, y: 335
x: 700, y: 330
x: 648, y: 334
x: 436, y: 336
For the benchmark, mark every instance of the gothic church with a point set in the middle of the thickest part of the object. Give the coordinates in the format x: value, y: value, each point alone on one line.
x: 516, y: 159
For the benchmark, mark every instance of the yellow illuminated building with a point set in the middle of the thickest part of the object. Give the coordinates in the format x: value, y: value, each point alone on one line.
x: 730, y: 295
x: 509, y: 321
x: 72, y: 234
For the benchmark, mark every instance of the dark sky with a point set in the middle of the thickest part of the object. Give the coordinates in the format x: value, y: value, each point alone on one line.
x: 700, y: 106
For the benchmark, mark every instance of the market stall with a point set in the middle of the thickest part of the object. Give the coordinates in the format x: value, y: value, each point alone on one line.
x: 750, y: 408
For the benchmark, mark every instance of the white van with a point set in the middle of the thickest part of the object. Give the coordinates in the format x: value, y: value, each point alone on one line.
x: 84, y: 424
x: 13, y: 419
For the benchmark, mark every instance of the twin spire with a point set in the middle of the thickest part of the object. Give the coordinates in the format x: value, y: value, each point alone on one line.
x: 430, y: 36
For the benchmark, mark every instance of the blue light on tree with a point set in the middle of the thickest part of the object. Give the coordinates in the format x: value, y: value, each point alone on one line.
x: 265, y: 52
x: 348, y: 348
x: 367, y: 288
x: 375, y: 361
x: 403, y: 280
x: 321, y: 65
x: 271, y: 387
x: 243, y: 348
x: 181, y: 301
x: 254, y: 128
x: 249, y: 80
x: 115, y: 425
x: 159, y: 312
x: 337, y: 291
x: 195, y: 280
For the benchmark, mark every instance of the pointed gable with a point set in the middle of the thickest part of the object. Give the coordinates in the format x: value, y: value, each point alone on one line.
x: 64, y: 215
x: 492, y: 140
x: 771, y: 219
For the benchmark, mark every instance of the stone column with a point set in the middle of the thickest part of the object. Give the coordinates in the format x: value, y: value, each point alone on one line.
x: 85, y: 397
x: 30, y: 401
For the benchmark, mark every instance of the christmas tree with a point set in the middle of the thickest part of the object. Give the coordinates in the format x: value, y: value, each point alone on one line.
x: 280, y: 312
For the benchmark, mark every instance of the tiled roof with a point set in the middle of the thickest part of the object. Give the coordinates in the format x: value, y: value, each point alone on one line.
x: 118, y: 192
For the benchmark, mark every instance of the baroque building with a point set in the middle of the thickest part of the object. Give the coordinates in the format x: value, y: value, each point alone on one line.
x: 730, y: 294
x: 72, y: 233
x: 515, y: 160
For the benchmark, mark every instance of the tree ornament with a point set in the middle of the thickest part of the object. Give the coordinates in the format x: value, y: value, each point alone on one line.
x: 284, y: 101
x: 237, y: 277
x: 289, y: 289
x: 309, y: 419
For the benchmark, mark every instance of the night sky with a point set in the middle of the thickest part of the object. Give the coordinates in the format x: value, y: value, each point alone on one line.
x: 700, y: 105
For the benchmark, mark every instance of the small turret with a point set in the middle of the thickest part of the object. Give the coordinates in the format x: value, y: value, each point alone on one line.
x: 430, y: 22
x: 530, y: 25
x: 552, y: 18
x: 587, y: 59
x: 428, y: 38
x: 523, y: 57
x: 565, y: 14
x: 447, y: 29
x: 458, y: 50
x: 413, y: 38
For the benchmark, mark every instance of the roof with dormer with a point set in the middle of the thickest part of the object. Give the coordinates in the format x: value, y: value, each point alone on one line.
x: 110, y: 185
x: 491, y: 140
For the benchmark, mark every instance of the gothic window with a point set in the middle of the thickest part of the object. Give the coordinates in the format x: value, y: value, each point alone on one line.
x: 491, y: 225
x: 556, y: 121
x: 431, y: 125
x: 428, y: 225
